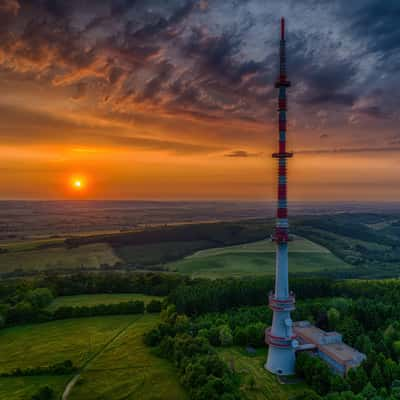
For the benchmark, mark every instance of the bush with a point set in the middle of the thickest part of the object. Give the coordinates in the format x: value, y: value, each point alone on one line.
x: 62, y: 368
x: 154, y: 306
x: 44, y: 393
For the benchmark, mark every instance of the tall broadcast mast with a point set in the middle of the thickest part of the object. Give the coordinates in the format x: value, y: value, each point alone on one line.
x: 280, y: 337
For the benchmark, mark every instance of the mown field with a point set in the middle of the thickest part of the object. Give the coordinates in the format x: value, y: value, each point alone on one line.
x: 257, y: 258
x: 127, y: 370
x: 31, y: 256
x: 266, y: 385
x: 95, y: 299
x: 114, y: 362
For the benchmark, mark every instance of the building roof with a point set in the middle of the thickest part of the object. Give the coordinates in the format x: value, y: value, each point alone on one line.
x: 329, y: 343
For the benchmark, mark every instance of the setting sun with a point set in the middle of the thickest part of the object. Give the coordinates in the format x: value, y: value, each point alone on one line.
x: 77, y: 183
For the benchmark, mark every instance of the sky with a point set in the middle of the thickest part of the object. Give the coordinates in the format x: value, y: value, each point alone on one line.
x: 166, y: 100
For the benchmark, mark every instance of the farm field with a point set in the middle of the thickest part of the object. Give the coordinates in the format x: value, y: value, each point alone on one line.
x: 128, y: 370
x: 95, y: 299
x: 26, y: 257
x: 78, y: 339
x: 266, y: 385
x: 22, y: 388
x: 256, y: 258
x: 114, y: 362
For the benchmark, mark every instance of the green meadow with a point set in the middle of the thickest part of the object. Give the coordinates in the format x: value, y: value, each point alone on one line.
x: 257, y: 258
x: 114, y: 363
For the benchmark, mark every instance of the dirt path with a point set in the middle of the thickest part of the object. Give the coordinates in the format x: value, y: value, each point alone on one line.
x: 71, y: 383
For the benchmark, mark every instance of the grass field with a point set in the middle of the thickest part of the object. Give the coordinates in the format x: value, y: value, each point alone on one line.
x: 128, y: 370
x: 266, y: 385
x: 43, y: 344
x: 256, y: 258
x: 22, y: 388
x: 87, y: 256
x: 95, y: 299
x: 115, y: 363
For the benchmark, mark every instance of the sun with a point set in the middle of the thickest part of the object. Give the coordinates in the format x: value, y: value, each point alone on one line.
x: 77, y: 183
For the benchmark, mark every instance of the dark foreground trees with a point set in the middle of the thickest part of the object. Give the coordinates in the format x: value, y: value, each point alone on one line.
x: 202, y: 372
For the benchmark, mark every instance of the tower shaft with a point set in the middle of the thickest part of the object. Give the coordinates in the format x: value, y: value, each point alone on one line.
x: 280, y: 338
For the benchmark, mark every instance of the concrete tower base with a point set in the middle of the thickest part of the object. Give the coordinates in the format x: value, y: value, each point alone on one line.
x: 281, y: 361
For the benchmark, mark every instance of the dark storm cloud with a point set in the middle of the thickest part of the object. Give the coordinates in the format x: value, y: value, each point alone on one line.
x: 379, y: 22
x: 209, y: 60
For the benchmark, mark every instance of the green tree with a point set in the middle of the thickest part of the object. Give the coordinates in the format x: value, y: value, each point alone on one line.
x: 357, y: 378
x: 240, y: 336
x: 307, y: 395
x: 154, y: 306
x: 40, y: 297
x: 369, y: 391
x: 333, y: 318
x: 376, y: 377
x: 44, y: 393
x: 339, y: 384
x: 2, y: 321
x: 225, y: 335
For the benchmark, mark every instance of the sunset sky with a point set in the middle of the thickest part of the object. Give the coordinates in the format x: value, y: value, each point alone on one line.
x: 175, y: 99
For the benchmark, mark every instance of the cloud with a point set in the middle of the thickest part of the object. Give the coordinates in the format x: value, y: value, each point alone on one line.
x: 29, y: 127
x: 384, y: 149
x: 9, y: 7
x: 242, y: 154
x: 208, y: 61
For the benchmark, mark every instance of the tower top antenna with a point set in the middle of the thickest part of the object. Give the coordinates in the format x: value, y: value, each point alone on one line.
x: 282, y: 28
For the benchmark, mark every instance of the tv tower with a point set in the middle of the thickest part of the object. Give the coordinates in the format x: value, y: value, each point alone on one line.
x: 280, y: 337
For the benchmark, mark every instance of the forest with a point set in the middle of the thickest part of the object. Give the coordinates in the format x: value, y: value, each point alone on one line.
x: 200, y: 316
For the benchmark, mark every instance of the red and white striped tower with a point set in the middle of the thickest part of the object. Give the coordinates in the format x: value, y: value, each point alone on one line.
x: 280, y: 337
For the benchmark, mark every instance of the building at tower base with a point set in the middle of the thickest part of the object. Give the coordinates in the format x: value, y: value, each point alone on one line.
x: 329, y: 346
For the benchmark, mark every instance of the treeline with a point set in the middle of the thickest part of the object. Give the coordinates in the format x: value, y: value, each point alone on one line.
x: 377, y: 252
x: 217, y: 233
x: 128, y: 307
x: 202, y: 296
x: 61, y: 368
x: 25, y: 301
x: 151, y: 283
x: 202, y: 372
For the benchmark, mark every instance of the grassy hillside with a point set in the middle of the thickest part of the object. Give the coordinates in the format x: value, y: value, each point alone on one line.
x: 256, y: 258
x: 109, y: 350
x: 95, y: 299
